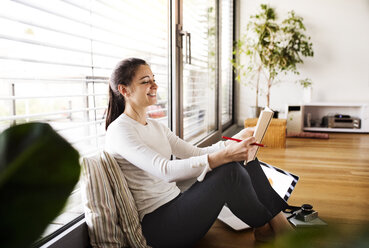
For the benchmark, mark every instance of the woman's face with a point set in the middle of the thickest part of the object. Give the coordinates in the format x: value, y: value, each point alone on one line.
x: 142, y: 91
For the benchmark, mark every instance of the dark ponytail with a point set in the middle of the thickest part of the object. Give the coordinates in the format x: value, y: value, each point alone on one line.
x: 122, y: 74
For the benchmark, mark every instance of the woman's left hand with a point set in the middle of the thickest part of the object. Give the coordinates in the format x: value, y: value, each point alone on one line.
x: 243, y: 134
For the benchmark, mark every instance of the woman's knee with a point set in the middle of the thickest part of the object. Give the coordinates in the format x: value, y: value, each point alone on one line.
x: 237, y: 168
x: 228, y: 168
x: 232, y: 172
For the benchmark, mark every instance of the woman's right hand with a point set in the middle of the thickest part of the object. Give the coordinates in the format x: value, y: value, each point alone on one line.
x: 240, y: 151
x: 236, y: 151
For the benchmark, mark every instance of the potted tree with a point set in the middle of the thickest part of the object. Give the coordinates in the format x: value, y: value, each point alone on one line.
x: 270, y: 49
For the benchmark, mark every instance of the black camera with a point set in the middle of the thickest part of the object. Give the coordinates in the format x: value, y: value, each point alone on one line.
x: 307, y: 213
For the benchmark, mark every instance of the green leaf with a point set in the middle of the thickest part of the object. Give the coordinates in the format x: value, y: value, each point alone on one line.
x: 38, y: 171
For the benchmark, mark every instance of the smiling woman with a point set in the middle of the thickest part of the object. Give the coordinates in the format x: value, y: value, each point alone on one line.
x: 121, y: 87
x: 140, y: 94
x: 143, y: 149
x: 132, y: 82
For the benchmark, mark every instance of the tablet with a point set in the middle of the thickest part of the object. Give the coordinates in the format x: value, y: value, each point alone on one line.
x: 283, y: 182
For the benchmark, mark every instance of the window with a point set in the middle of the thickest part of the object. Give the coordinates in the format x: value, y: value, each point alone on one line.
x: 200, y: 74
x: 226, y: 80
x: 55, y: 68
x: 56, y: 58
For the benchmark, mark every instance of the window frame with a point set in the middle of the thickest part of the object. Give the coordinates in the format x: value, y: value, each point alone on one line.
x: 231, y: 121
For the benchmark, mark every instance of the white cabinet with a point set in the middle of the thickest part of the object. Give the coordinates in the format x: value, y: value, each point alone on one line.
x: 313, y: 113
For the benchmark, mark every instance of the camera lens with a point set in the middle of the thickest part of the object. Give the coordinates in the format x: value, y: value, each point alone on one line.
x: 307, y: 208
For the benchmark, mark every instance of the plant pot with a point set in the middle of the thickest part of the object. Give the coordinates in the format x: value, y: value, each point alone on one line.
x: 307, y: 93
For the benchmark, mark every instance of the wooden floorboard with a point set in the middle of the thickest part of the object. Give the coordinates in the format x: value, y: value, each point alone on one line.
x: 333, y: 175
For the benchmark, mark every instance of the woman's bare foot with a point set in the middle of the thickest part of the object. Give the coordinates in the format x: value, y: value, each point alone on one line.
x: 264, y: 233
x: 280, y: 224
x: 276, y: 226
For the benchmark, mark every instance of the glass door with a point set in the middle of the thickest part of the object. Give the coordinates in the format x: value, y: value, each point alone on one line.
x: 199, y: 74
x: 226, y: 78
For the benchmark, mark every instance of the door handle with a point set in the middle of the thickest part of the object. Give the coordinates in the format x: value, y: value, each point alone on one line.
x: 187, y: 37
x: 189, y: 47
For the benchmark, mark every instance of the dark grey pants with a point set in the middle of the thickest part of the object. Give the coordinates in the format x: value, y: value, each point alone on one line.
x: 187, y: 218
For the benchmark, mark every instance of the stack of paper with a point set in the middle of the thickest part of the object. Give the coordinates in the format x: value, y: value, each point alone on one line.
x: 314, y: 222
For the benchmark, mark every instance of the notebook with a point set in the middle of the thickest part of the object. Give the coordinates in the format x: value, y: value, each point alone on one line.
x: 261, y: 127
x: 283, y: 182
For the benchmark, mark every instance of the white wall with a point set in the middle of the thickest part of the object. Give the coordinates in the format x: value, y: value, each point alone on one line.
x: 339, y: 30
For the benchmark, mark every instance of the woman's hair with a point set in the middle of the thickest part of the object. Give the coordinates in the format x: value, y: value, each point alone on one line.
x: 123, y: 73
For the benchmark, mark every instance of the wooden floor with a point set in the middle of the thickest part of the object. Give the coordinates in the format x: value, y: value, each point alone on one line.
x: 334, y: 178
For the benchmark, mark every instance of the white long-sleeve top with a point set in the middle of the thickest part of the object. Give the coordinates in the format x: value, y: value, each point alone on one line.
x: 143, y: 153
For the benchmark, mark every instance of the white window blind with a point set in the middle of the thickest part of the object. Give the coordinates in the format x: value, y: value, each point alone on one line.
x: 56, y: 57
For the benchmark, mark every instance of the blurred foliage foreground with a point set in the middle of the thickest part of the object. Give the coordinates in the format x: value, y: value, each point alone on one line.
x: 331, y: 236
x: 38, y: 171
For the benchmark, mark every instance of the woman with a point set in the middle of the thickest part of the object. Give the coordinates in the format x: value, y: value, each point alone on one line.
x: 143, y: 148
